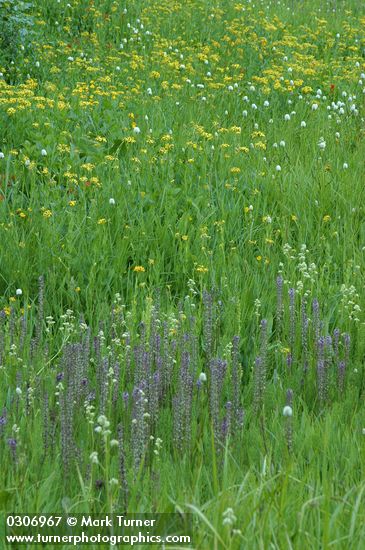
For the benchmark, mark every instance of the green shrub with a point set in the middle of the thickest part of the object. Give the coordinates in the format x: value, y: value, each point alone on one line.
x: 15, y: 32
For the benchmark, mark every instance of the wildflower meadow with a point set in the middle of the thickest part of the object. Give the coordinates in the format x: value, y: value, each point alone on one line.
x: 182, y: 240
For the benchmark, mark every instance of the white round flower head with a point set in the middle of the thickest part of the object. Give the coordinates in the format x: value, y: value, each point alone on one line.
x: 2, y: 155
x: 229, y: 517
x: 114, y: 443
x: 111, y: 201
x: 94, y: 458
x: 322, y: 143
x: 282, y: 143
x: 345, y: 165
x: 278, y: 168
x: 136, y: 130
x: 44, y: 153
x: 18, y: 391
x: 18, y: 292
x: 103, y: 421
x: 202, y: 377
x: 314, y: 106
x: 303, y: 124
x: 363, y: 431
x: 287, y: 117
x: 287, y: 411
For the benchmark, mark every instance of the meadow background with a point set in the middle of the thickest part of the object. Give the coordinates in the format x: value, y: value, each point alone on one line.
x: 182, y: 265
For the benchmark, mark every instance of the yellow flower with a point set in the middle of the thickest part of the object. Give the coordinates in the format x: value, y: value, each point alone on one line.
x: 202, y: 269
x: 184, y: 237
x: 139, y: 269
x: 326, y: 218
x: 72, y: 203
x: 47, y: 214
x: 101, y: 221
x: 307, y: 90
x: 63, y: 148
x: 293, y: 217
x: 88, y: 166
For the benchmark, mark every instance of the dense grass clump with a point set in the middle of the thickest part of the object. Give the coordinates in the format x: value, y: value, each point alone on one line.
x: 182, y: 265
